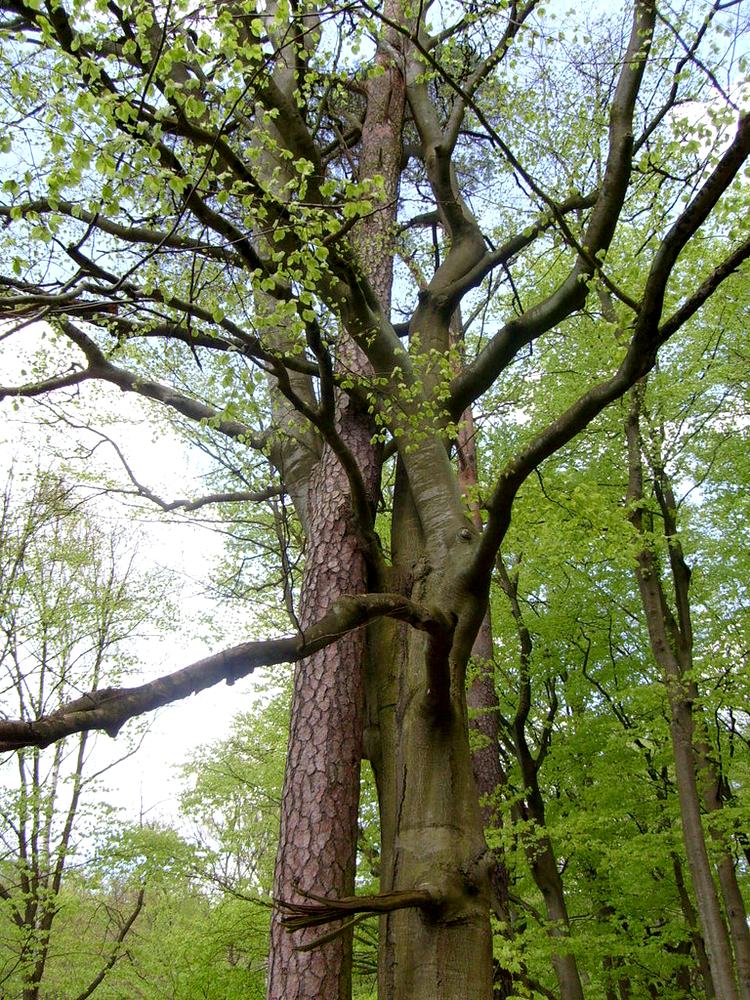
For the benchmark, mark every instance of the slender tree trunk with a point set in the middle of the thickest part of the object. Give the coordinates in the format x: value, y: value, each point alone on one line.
x: 482, y: 701
x: 691, y: 919
x: 709, y: 910
x: 671, y: 640
x: 548, y: 881
x: 734, y: 904
x: 490, y: 779
x: 540, y: 854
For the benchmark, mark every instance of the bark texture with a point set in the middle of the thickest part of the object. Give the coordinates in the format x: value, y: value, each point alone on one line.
x: 321, y: 789
x: 317, y: 845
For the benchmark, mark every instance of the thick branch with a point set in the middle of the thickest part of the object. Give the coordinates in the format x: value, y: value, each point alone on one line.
x: 640, y: 358
x: 513, y: 246
x: 110, y: 708
x: 572, y: 292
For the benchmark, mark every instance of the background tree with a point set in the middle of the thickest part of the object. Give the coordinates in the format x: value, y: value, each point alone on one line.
x: 212, y: 212
x: 69, y: 603
x: 609, y: 783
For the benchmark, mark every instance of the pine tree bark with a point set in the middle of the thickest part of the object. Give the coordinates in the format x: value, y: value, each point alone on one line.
x: 317, y: 845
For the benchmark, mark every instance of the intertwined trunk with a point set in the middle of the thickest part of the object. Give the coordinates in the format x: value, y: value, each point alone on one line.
x: 431, y: 823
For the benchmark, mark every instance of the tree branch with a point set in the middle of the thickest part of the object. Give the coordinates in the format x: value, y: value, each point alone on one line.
x: 188, y: 506
x: 114, y: 954
x: 130, y: 234
x: 108, y: 709
x: 324, y: 911
x: 640, y: 358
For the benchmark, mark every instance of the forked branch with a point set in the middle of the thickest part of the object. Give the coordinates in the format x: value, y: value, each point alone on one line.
x: 324, y: 911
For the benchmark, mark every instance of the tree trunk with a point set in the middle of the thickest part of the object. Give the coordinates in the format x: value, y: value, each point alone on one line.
x: 540, y: 853
x: 490, y: 779
x: 734, y: 904
x: 547, y: 878
x: 709, y: 910
x: 696, y: 938
x: 431, y: 825
x: 317, y: 845
x: 482, y: 701
x: 671, y: 639
x: 321, y: 786
x: 433, y: 830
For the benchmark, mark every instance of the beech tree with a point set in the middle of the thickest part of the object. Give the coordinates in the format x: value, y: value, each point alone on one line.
x: 611, y: 757
x: 331, y: 239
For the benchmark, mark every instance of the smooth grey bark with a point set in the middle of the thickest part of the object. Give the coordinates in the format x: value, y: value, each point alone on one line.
x: 691, y: 919
x: 433, y: 825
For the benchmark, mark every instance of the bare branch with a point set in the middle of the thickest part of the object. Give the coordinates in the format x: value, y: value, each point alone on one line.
x: 324, y: 911
x: 108, y: 709
x: 188, y: 506
x: 572, y: 292
x: 481, y: 72
x: 115, y: 953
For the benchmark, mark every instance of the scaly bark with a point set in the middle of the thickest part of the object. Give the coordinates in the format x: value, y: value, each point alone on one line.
x: 321, y: 787
x: 317, y: 845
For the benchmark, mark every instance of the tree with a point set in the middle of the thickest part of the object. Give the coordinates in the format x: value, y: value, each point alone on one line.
x: 596, y: 725
x: 68, y: 603
x: 220, y: 205
x: 596, y: 728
